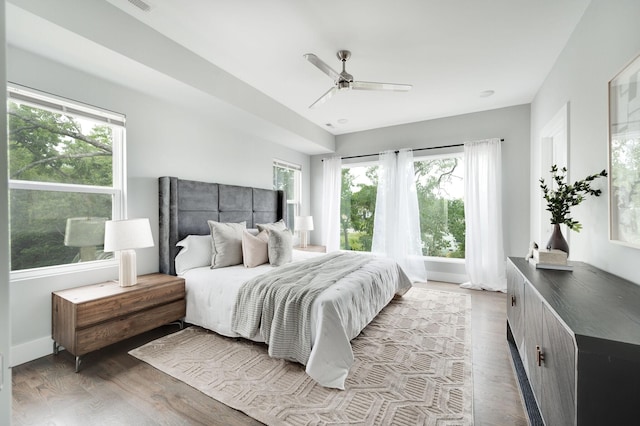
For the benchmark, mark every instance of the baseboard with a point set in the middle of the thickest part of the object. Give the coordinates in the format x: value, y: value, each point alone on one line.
x: 29, y: 351
x: 446, y: 277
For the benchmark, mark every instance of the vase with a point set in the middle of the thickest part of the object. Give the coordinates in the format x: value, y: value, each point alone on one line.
x: 557, y: 241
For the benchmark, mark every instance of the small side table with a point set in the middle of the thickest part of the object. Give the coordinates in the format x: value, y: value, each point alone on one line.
x: 318, y: 249
x: 91, y: 317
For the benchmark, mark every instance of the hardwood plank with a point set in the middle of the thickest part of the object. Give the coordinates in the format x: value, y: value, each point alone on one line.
x: 116, y: 388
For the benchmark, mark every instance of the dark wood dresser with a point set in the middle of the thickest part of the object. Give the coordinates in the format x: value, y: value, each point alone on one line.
x: 575, y: 337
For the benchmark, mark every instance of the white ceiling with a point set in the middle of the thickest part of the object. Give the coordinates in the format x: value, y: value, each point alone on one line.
x: 450, y: 51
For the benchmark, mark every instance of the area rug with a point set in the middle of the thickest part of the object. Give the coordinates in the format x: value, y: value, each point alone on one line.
x: 412, y: 367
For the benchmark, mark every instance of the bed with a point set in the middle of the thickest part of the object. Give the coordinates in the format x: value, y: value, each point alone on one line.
x: 216, y: 297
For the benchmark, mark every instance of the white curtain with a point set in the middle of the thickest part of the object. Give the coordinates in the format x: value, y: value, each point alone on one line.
x: 484, y: 254
x: 396, y: 227
x: 331, y: 184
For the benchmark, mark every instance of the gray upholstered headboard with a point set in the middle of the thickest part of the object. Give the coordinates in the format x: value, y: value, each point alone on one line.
x: 186, y: 205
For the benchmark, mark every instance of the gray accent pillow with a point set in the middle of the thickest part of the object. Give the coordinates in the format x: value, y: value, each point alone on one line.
x: 280, y: 247
x: 278, y: 226
x: 226, y: 243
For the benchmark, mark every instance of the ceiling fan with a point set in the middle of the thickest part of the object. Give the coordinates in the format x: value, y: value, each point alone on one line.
x: 344, y: 80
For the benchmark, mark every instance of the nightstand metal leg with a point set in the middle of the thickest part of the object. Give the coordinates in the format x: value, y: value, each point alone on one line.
x: 179, y: 323
x: 56, y: 348
x: 78, y: 361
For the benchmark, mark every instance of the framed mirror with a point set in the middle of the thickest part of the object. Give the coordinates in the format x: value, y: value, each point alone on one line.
x: 624, y: 156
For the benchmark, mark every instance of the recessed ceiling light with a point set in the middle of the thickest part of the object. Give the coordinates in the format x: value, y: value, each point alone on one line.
x: 343, y: 121
x: 487, y: 93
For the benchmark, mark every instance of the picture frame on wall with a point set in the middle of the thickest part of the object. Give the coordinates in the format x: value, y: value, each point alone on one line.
x: 624, y: 156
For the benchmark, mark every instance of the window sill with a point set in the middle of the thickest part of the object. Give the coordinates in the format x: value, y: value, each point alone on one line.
x: 29, y: 274
x: 452, y: 260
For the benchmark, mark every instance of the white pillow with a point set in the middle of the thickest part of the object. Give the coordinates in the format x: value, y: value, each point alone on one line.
x: 226, y: 249
x: 195, y: 252
x: 254, y: 249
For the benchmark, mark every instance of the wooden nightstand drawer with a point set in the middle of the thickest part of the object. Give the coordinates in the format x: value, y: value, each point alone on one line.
x: 104, y: 334
x: 132, y: 299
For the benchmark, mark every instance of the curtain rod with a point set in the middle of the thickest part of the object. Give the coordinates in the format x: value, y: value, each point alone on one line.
x: 415, y: 149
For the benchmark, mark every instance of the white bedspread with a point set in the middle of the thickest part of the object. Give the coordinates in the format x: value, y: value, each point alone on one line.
x: 338, y: 314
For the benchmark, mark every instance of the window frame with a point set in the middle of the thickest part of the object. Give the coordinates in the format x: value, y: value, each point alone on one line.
x: 297, y: 186
x: 117, y: 190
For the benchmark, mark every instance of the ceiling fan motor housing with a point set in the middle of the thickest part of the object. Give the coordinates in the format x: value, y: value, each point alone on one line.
x: 344, y: 85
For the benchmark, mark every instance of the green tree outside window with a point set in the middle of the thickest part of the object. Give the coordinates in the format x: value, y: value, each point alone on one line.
x: 439, y: 184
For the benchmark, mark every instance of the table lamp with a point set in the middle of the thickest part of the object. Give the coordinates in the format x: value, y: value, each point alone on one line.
x: 125, y: 236
x: 303, y: 224
x: 86, y: 233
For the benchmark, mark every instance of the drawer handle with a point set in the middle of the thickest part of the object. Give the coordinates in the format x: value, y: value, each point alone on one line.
x: 539, y: 356
x: 513, y: 300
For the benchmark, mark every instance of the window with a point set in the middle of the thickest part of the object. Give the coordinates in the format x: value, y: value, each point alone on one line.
x: 440, y: 187
x: 66, y: 177
x: 357, y: 206
x: 288, y: 178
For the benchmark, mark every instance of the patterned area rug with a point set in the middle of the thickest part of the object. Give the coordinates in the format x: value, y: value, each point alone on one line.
x: 413, y: 367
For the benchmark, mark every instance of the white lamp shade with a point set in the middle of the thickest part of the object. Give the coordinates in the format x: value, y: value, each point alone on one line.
x: 303, y: 223
x: 84, y: 231
x: 127, y: 234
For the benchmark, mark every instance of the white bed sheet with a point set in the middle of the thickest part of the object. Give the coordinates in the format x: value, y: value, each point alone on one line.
x: 338, y: 314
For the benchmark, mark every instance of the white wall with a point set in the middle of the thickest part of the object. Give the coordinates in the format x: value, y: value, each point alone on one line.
x: 606, y: 39
x: 511, y: 123
x: 163, y: 139
x: 5, y: 318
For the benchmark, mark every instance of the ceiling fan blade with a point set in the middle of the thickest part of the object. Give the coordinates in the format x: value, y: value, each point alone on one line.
x: 324, y: 98
x: 369, y: 85
x: 322, y: 66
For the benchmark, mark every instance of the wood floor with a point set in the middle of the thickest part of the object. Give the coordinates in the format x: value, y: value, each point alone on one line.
x: 113, y: 388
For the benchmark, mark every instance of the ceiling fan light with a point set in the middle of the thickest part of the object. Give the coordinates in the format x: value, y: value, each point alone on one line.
x: 344, y: 85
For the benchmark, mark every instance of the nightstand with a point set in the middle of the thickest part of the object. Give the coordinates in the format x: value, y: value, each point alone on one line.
x: 318, y: 249
x: 91, y: 317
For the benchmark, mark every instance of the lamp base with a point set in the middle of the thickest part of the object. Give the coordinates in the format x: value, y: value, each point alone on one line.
x: 304, y: 235
x: 127, y: 276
